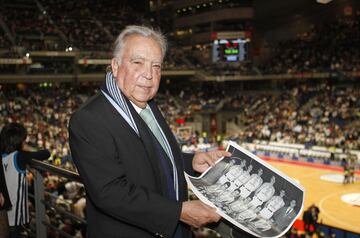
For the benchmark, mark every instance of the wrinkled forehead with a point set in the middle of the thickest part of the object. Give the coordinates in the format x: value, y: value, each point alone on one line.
x: 142, y: 46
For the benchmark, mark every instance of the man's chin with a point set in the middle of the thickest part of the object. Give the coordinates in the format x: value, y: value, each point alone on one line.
x: 141, y: 102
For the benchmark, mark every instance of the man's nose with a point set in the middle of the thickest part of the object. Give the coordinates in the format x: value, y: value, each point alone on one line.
x: 147, y: 71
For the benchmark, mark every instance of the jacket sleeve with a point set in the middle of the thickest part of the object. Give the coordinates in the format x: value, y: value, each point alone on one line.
x: 106, y: 182
x: 25, y: 157
x: 187, y: 158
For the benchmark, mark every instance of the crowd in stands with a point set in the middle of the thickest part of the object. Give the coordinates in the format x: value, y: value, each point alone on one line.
x: 44, y: 112
x: 4, y: 41
x: 88, y: 26
x: 32, y: 24
x: 66, y: 197
x: 54, y: 25
x: 321, y: 114
x: 333, y: 46
x: 75, y: 21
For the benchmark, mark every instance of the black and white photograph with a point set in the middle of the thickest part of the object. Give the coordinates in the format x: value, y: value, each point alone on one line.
x: 250, y: 193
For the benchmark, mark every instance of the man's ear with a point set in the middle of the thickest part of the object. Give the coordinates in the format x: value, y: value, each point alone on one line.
x: 114, y: 66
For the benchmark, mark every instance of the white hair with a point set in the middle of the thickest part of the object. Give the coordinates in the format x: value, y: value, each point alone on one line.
x: 138, y: 30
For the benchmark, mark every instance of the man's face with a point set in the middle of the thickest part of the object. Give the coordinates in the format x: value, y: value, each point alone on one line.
x: 138, y: 74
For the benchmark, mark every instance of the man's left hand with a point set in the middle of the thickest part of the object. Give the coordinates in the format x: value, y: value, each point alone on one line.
x: 203, y: 160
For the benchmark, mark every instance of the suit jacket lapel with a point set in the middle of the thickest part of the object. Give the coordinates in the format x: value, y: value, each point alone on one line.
x: 116, y: 118
x: 174, y: 148
x: 147, y: 139
x: 169, y: 136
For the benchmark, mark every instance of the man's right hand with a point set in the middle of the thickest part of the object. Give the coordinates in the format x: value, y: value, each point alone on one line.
x: 196, y: 214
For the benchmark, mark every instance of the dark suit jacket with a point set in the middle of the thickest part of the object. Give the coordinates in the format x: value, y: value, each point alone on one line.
x: 122, y: 173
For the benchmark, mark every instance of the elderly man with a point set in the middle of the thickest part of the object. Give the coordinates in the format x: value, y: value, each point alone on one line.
x: 126, y: 154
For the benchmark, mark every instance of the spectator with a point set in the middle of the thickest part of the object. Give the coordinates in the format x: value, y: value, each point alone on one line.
x: 14, y: 161
x: 5, y: 205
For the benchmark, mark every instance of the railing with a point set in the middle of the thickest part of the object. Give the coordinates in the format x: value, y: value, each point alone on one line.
x: 41, y: 203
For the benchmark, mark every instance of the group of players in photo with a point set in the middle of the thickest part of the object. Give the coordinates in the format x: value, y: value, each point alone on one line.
x: 249, y: 199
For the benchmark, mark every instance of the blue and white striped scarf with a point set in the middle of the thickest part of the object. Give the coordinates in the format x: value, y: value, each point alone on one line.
x: 113, y: 94
x: 116, y: 98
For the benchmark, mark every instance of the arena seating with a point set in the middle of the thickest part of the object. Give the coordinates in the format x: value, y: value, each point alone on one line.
x: 270, y: 117
x: 89, y: 27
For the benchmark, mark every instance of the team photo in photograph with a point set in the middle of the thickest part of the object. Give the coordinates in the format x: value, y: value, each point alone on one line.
x: 250, y: 193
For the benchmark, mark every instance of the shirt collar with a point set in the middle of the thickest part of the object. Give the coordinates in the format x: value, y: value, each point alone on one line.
x: 139, y: 109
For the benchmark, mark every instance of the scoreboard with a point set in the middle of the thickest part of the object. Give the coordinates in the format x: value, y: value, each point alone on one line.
x: 229, y: 50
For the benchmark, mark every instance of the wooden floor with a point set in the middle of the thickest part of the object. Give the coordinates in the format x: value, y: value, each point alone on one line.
x: 326, y: 195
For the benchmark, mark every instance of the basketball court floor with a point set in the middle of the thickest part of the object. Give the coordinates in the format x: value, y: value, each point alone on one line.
x: 339, y: 203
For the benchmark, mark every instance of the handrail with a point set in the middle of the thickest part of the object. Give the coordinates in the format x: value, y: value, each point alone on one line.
x: 39, y: 195
x: 64, y: 212
x: 46, y: 167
